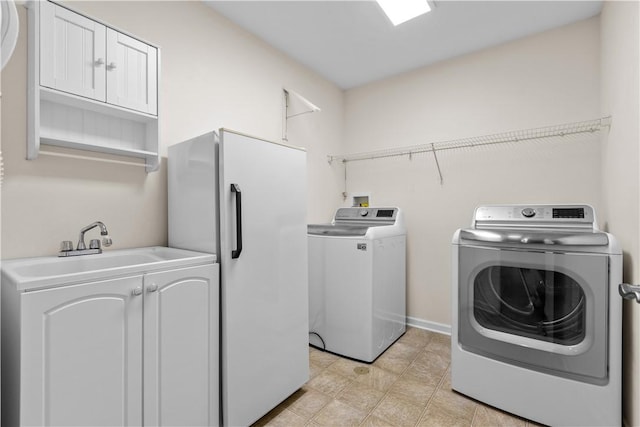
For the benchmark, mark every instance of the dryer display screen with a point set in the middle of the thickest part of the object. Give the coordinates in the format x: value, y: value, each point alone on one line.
x: 385, y: 213
x: 568, y: 213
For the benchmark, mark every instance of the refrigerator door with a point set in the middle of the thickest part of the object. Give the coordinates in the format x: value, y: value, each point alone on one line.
x: 264, y: 293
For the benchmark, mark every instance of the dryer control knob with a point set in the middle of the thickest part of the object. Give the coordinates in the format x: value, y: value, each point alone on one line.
x: 528, y: 213
x: 364, y: 212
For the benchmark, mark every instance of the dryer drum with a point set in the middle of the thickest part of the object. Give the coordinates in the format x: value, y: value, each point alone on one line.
x: 540, y: 304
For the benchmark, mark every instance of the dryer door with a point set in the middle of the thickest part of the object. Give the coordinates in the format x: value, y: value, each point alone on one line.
x: 545, y: 311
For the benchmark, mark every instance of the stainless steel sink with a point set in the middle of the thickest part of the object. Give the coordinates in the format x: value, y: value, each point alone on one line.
x: 42, y: 272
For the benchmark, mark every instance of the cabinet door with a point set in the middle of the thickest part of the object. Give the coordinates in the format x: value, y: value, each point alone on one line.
x: 131, y: 73
x: 82, y: 355
x: 181, y: 347
x: 72, y: 52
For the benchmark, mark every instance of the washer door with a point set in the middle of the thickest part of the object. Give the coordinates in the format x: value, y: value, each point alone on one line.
x: 545, y: 311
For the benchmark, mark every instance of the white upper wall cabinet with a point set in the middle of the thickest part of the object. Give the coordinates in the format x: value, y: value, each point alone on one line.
x: 91, y: 86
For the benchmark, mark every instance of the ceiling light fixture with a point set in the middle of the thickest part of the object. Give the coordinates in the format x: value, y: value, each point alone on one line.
x: 399, y: 11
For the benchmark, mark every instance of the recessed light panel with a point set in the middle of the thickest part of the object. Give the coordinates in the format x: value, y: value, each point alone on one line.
x: 399, y: 11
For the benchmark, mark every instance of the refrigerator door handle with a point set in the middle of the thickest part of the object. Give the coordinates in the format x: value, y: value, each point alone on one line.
x: 235, y: 188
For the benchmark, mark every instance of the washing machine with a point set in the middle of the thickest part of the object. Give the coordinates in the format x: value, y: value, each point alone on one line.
x: 537, y: 319
x: 357, y: 282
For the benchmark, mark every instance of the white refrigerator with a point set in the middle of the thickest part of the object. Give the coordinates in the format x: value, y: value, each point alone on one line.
x: 244, y: 199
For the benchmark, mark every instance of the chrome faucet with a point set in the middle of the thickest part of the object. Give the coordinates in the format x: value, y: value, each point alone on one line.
x: 66, y: 248
x: 106, y: 240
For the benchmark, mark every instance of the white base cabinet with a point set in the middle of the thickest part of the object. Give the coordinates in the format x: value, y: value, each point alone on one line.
x: 130, y: 351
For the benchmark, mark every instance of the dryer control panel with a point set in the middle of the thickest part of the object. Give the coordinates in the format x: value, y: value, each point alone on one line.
x: 535, y: 216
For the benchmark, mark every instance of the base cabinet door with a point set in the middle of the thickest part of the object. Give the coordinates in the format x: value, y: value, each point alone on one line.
x: 181, y: 347
x: 81, y: 352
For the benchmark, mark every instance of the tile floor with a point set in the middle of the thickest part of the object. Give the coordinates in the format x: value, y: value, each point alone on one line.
x: 408, y: 385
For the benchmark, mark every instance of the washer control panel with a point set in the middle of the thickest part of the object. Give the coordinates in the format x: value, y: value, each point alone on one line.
x: 375, y: 215
x: 535, y: 215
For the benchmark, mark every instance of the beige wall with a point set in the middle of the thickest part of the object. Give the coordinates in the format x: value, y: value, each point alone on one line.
x: 620, y: 46
x: 212, y: 75
x: 543, y: 80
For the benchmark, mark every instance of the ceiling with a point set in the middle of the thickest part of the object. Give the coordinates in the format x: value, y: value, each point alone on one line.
x: 352, y: 43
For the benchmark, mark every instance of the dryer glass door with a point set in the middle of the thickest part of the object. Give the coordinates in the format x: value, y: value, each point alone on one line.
x: 540, y: 310
x: 537, y: 303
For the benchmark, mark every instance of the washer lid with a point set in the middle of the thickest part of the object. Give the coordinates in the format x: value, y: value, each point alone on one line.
x: 337, y: 230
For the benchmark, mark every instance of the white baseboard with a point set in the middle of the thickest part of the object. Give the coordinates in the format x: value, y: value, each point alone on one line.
x: 428, y: 325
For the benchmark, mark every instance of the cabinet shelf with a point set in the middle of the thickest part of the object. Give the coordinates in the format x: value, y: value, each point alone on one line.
x: 71, y: 100
x: 149, y: 156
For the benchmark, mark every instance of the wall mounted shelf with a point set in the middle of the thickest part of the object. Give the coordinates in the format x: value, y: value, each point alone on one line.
x: 561, y: 130
x: 541, y: 133
x: 294, y: 105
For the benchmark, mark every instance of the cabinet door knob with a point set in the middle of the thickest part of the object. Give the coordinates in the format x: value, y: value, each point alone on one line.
x: 112, y: 66
x: 152, y: 287
x: 99, y: 62
x: 137, y: 291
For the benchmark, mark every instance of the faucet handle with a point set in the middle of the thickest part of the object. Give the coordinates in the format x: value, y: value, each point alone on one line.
x: 94, y: 244
x: 66, y: 246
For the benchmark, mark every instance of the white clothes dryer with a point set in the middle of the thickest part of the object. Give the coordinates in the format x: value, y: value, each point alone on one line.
x: 537, y: 318
x: 357, y: 282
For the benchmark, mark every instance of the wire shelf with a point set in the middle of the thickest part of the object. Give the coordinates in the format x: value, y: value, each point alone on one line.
x: 561, y: 130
